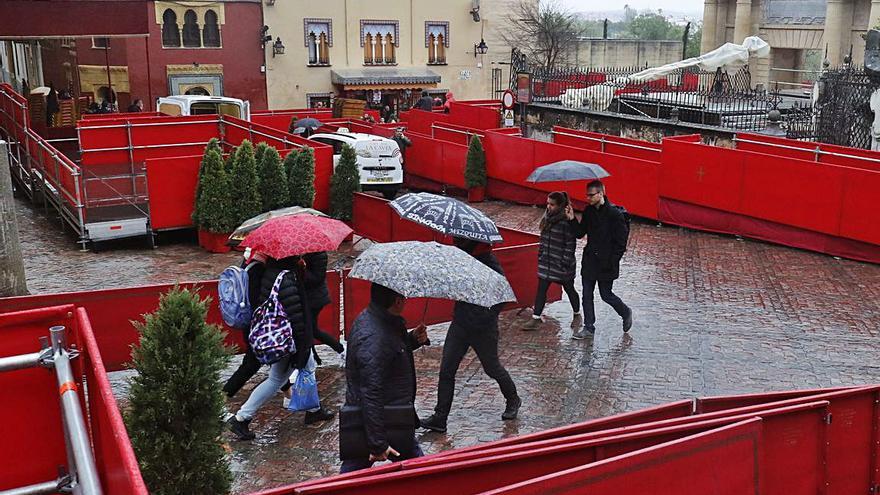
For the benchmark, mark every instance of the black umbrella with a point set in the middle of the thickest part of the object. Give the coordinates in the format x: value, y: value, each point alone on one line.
x: 448, y: 216
x: 308, y: 122
x: 566, y: 170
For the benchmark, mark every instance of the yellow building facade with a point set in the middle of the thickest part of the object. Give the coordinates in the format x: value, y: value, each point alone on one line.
x: 382, y: 51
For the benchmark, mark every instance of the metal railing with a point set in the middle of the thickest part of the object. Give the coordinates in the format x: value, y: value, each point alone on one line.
x: 82, y: 477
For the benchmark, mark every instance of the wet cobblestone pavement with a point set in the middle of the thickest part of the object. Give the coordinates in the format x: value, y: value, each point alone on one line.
x: 713, y: 315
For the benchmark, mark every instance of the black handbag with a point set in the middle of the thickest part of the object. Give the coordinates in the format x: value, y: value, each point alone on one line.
x: 400, y: 430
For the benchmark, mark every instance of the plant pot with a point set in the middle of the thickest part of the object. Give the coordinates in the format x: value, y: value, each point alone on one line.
x: 214, y: 243
x: 476, y: 194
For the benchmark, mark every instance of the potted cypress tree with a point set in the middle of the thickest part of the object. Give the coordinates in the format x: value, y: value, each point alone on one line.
x: 212, y: 210
x: 175, y: 417
x: 213, y: 144
x: 344, y: 182
x: 259, y: 149
x: 475, y: 171
x: 301, y: 178
x: 272, y: 179
x: 244, y: 185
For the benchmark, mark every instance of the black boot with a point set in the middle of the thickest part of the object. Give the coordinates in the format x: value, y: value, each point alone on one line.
x: 319, y: 415
x: 241, y: 429
x: 512, y: 408
x: 434, y: 422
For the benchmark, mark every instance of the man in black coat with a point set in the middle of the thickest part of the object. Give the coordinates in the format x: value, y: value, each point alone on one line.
x: 472, y: 327
x: 425, y: 102
x: 607, y: 231
x: 380, y: 371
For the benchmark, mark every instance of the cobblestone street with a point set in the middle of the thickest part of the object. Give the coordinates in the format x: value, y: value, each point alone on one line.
x: 713, y: 315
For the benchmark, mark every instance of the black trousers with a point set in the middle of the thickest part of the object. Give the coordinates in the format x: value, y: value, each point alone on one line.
x: 250, y: 365
x: 607, y: 295
x: 568, y: 286
x: 485, y: 344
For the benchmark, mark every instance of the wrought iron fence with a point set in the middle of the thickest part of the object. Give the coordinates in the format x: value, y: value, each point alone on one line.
x: 843, y: 113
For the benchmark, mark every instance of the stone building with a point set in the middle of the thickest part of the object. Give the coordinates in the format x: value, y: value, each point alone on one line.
x: 801, y: 33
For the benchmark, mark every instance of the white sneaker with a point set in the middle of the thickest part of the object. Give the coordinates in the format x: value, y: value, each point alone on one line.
x: 285, y: 402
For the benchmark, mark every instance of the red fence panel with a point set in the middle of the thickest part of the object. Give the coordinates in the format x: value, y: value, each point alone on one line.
x: 605, y: 143
x: 420, y: 121
x: 114, y: 456
x: 476, y: 115
x: 860, y: 208
x: 689, y: 465
x: 33, y: 438
x: 171, y: 186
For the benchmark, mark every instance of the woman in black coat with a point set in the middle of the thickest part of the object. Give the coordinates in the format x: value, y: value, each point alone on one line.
x: 556, y: 255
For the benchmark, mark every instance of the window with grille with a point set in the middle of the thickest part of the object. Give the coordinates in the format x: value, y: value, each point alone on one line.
x: 211, y: 31
x: 380, y: 40
x: 436, y: 41
x: 192, y: 36
x: 318, y: 40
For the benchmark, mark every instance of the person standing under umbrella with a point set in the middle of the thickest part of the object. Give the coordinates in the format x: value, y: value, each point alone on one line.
x: 556, y: 257
x: 380, y: 372
x: 607, y: 231
x: 472, y: 327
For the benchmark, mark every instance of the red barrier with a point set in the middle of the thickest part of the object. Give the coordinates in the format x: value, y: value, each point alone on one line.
x: 812, y: 152
x: 604, y: 143
x: 420, y: 121
x: 237, y: 130
x: 112, y: 311
x: 722, y: 461
x: 171, y: 186
x: 704, y: 405
x: 280, y: 119
x: 478, y: 114
x: 114, y: 456
x: 33, y: 434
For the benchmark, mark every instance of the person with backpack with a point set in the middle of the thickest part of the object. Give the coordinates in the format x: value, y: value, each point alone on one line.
x: 606, y: 226
x: 282, y: 335
x: 556, y: 258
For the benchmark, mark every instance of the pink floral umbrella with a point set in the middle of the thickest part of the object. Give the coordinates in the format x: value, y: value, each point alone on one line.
x: 295, y: 235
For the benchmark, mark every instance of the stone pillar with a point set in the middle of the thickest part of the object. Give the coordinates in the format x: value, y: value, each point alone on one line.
x: 709, y: 39
x: 874, y: 16
x: 832, y: 37
x: 743, y: 23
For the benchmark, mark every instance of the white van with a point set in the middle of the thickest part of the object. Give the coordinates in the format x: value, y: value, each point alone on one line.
x: 204, y: 105
x: 379, y: 159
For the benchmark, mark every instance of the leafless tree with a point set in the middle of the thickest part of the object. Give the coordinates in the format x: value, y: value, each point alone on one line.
x: 542, y: 29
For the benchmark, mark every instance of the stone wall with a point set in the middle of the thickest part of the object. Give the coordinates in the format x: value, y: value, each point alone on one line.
x: 592, y: 52
x: 540, y: 119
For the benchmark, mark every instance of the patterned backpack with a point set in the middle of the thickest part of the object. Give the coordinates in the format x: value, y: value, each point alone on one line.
x: 271, y: 335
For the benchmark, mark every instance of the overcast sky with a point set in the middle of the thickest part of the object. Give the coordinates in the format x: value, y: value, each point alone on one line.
x: 674, y: 5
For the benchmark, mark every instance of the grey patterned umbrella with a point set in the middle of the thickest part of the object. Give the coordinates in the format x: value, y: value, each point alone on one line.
x: 448, y: 216
x: 565, y: 170
x: 429, y: 269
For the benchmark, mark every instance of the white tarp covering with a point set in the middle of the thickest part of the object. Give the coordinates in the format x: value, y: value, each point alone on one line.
x: 730, y: 57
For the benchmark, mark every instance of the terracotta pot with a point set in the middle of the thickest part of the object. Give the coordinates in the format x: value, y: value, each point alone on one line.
x: 214, y: 243
x: 476, y: 194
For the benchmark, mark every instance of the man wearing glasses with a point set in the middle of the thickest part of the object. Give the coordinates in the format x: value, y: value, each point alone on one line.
x: 607, y: 231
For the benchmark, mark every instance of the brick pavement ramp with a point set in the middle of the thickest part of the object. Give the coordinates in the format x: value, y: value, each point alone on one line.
x: 714, y: 315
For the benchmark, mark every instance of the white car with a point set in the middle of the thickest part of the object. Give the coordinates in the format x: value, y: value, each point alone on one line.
x: 204, y: 105
x: 379, y: 159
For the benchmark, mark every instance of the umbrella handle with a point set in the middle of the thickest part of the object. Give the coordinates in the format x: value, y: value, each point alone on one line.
x: 424, y: 312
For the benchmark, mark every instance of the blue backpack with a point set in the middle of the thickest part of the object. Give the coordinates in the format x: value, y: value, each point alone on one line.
x: 271, y: 336
x: 235, y: 304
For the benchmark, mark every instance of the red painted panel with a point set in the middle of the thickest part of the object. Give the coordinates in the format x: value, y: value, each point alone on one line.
x: 703, y: 175
x: 425, y: 158
x: 704, y: 405
x: 171, y: 184
x: 690, y: 465
x: 453, y: 163
x: 860, y: 208
x: 606, y: 143
x: 469, y: 114
x: 420, y: 121
x: 129, y: 18
x: 371, y: 218
x: 33, y: 436
x: 114, y: 456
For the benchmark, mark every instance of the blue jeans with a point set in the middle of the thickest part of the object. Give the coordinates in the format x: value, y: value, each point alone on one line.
x: 279, y: 374
x: 358, y: 464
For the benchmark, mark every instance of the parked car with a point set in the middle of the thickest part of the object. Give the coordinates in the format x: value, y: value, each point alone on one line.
x: 379, y: 159
x: 204, y: 105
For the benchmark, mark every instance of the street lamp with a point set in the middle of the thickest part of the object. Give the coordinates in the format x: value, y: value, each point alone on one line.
x: 481, y: 49
x: 277, y: 47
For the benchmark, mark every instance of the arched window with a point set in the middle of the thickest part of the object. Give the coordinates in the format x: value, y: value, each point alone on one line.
x: 192, y: 37
x: 432, y: 49
x: 211, y: 32
x: 369, y: 49
x: 441, y: 49
x: 106, y: 94
x: 170, y: 31
x: 388, y: 49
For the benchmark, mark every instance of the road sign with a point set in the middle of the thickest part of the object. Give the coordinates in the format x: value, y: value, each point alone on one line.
x: 508, y: 117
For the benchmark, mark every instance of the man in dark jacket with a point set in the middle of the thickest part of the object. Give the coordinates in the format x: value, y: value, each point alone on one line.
x: 472, y: 327
x: 380, y: 371
x: 425, y: 102
x: 606, y: 230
